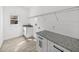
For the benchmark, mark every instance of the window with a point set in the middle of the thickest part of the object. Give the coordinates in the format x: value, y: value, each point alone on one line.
x: 14, y: 20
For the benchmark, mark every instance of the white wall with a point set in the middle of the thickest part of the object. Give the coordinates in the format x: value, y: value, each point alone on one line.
x: 67, y: 24
x: 37, y: 10
x: 1, y: 26
x: 41, y: 22
x: 11, y: 31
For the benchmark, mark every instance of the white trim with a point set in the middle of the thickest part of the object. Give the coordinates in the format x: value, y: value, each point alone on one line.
x: 1, y: 42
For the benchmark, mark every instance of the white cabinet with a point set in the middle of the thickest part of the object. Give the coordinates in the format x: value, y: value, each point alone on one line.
x: 52, y: 47
x: 44, y: 45
x: 41, y: 44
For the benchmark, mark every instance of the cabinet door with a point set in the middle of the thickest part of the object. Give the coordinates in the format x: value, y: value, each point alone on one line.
x: 41, y: 44
x: 44, y: 45
x: 52, y: 47
x: 68, y: 23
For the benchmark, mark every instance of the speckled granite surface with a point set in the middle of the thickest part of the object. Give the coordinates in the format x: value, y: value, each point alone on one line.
x: 67, y: 42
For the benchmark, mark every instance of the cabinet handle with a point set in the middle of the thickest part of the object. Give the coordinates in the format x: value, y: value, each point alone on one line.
x: 57, y: 48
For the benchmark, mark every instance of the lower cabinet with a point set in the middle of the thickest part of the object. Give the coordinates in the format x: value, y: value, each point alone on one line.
x: 52, y: 47
x: 41, y: 44
x: 44, y: 45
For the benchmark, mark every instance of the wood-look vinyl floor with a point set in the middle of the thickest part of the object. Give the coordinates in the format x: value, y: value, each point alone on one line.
x: 19, y: 44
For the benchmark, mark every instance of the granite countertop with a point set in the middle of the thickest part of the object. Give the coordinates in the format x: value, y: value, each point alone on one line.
x: 67, y: 42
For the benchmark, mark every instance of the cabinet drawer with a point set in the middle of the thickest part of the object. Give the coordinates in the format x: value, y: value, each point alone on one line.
x: 52, y: 47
